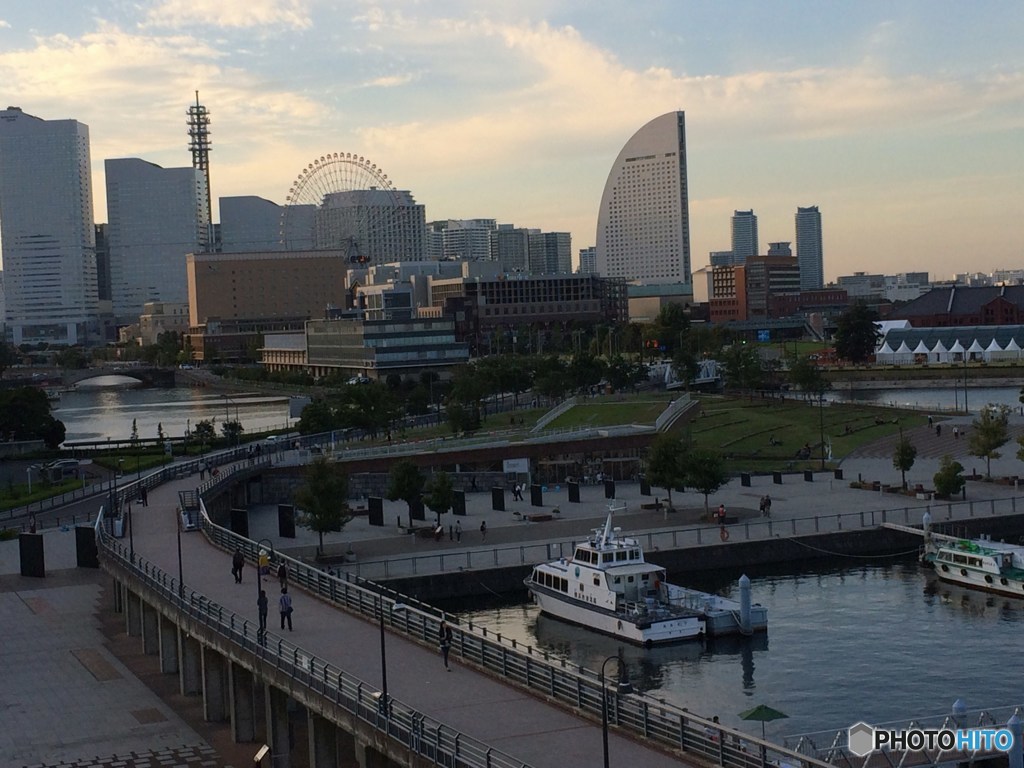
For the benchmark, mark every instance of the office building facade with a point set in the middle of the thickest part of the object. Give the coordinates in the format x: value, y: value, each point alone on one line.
x: 808, y: 248
x: 47, y: 234
x: 643, y: 225
x: 155, y: 216
x: 744, y: 236
x: 550, y: 253
x: 460, y: 239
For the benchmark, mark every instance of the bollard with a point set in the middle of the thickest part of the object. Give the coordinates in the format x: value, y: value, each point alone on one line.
x: 745, y: 627
x: 1017, y: 750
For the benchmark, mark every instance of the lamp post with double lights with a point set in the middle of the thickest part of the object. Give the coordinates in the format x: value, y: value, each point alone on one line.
x: 227, y: 417
x: 382, y: 703
x: 622, y: 688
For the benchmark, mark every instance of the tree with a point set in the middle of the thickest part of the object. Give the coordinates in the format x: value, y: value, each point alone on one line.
x: 405, y: 482
x: 317, y: 417
x: 440, y: 494
x: 856, y: 333
x: 323, y: 498
x: 666, y: 467
x: 8, y: 356
x: 949, y: 479
x: 25, y: 415
x: 805, y: 374
x: 232, y: 431
x: 204, y: 431
x: 903, y: 457
x: 705, y: 471
x: 742, y: 366
x: 989, y: 432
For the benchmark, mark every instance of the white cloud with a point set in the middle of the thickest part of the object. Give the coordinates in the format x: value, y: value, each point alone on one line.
x: 5, y: 24
x: 390, y: 81
x: 293, y: 14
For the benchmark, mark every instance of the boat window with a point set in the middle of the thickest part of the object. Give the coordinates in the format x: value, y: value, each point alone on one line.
x: 621, y: 555
x: 597, y: 582
x: 563, y: 585
x: 634, y: 554
x: 547, y: 579
x: 582, y: 555
x: 630, y: 579
x: 618, y: 580
x: 608, y: 557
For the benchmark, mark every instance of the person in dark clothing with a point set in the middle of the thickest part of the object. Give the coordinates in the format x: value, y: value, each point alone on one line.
x: 285, y: 604
x: 282, y: 574
x: 444, y: 639
x: 237, y: 563
x: 261, y: 604
x: 144, y: 497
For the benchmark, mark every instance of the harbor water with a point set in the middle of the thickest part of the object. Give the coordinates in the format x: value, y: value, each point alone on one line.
x: 857, y: 641
x: 938, y: 400
x: 106, y: 410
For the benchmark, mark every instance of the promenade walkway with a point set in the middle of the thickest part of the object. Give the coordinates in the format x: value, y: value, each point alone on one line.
x: 511, y: 720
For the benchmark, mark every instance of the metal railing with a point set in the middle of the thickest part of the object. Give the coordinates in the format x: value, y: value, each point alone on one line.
x: 420, y: 733
x: 757, y: 529
x: 578, y: 688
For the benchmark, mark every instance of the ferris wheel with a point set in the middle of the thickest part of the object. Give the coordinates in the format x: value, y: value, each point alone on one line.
x: 343, y: 201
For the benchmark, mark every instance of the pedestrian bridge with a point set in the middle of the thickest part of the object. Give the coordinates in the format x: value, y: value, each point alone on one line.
x: 504, y: 704
x: 149, y: 376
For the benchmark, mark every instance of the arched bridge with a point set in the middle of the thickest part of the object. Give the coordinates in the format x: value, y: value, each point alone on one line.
x: 150, y: 376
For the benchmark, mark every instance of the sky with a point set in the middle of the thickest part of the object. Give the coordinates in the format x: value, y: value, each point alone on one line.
x: 903, y: 122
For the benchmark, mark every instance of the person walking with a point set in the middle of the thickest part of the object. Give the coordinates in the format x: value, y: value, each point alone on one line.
x: 767, y: 505
x: 458, y: 531
x: 285, y: 604
x: 483, y: 530
x: 144, y: 497
x: 282, y: 574
x: 444, y: 638
x: 237, y: 563
x: 261, y: 605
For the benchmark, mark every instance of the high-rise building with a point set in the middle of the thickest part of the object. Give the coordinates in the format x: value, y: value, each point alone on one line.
x: 374, y: 226
x: 550, y: 253
x: 460, y: 239
x: 155, y: 216
x: 808, y: 248
x: 47, y: 230
x: 588, y: 261
x: 510, y: 247
x: 249, y: 223
x: 721, y: 259
x: 643, y: 226
x: 744, y: 236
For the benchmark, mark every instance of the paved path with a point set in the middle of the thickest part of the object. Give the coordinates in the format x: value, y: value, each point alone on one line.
x: 507, y: 718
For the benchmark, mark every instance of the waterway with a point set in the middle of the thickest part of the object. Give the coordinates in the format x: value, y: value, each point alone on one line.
x: 857, y: 641
x: 948, y: 399
x: 107, y: 408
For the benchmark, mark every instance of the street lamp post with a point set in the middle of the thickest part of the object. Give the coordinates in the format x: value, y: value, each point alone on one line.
x: 28, y: 471
x: 623, y: 688
x: 821, y: 425
x: 383, y: 703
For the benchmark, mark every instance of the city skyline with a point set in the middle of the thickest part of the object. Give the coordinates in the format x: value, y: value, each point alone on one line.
x: 901, y: 123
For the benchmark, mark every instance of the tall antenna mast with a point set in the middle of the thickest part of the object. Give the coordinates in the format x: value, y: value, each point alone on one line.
x: 199, y: 145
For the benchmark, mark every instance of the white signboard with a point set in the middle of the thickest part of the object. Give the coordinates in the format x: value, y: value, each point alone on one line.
x: 520, y: 466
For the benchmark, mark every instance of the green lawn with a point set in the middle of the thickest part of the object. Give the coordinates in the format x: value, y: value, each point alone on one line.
x: 742, y: 429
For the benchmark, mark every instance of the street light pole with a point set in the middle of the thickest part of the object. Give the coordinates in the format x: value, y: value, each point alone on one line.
x: 383, y: 703
x: 623, y: 688
x: 28, y: 471
x: 821, y: 425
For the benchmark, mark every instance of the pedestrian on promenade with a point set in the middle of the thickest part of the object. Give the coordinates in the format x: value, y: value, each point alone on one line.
x: 938, y: 430
x: 956, y: 433
x: 483, y: 530
x: 285, y: 604
x: 929, y: 420
x: 444, y: 639
x: 767, y: 505
x: 282, y: 574
x: 761, y: 507
x: 237, y: 563
x: 721, y: 514
x: 458, y: 531
x: 261, y: 605
x: 144, y: 497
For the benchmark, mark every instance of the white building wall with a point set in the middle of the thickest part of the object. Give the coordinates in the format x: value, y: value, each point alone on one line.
x: 643, y: 225
x: 47, y: 234
x: 155, y: 217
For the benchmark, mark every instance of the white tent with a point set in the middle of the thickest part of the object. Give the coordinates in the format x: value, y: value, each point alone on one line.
x: 956, y: 352
x: 903, y: 355
x: 940, y: 352
x: 1011, y: 350
x: 993, y: 351
x: 921, y: 349
x: 975, y: 349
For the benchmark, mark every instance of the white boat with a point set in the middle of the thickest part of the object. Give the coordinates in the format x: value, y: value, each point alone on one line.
x: 607, y: 586
x: 992, y: 566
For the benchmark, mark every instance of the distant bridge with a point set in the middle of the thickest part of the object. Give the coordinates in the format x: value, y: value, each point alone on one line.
x: 149, y: 376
